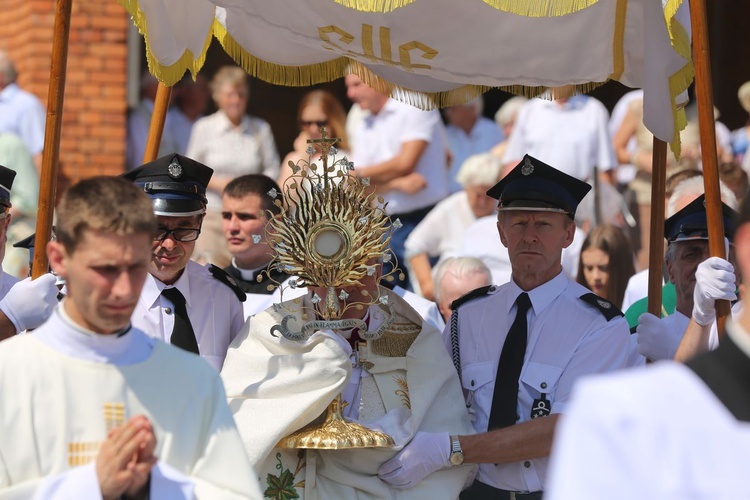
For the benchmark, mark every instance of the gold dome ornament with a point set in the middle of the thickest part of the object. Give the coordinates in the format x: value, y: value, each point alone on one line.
x: 335, y: 433
x: 332, y: 234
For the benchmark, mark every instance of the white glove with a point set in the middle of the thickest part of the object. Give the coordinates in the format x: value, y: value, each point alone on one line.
x: 655, y: 340
x: 29, y: 303
x: 714, y: 280
x: 426, y: 453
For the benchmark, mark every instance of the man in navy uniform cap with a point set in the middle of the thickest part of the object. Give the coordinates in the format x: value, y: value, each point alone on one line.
x: 687, y: 247
x: 25, y: 304
x: 189, y: 305
x: 519, y: 347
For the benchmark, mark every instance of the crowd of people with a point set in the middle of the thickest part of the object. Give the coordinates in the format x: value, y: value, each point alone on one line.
x: 442, y: 279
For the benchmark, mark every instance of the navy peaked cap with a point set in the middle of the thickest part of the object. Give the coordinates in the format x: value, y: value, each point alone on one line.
x: 691, y: 223
x: 176, y: 184
x: 533, y: 185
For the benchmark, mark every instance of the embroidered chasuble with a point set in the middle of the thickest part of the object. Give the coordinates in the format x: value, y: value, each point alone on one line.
x: 402, y: 383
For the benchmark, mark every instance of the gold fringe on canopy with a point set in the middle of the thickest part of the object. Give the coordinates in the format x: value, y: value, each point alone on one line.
x: 381, y: 6
x: 171, y: 74
x: 681, y: 80
x: 540, y: 8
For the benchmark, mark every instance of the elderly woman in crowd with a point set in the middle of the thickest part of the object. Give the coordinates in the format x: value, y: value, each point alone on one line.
x: 233, y: 144
x: 439, y: 235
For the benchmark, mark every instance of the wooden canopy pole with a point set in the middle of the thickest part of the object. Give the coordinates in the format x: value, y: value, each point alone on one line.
x: 53, y: 126
x: 656, y: 231
x: 158, y: 117
x: 706, y: 123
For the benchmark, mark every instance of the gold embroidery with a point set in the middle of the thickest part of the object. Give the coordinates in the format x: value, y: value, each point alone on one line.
x: 403, y: 393
x: 114, y: 415
x: 82, y: 453
x: 397, y: 340
x: 386, y: 49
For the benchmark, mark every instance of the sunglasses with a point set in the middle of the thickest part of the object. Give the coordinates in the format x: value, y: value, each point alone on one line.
x: 319, y: 123
x: 179, y: 234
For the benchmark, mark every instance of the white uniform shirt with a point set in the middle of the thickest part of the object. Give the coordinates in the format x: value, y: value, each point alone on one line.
x: 233, y: 151
x: 440, y: 232
x: 380, y: 137
x: 484, y: 136
x: 653, y: 433
x: 572, y: 138
x: 215, y: 312
x: 567, y: 338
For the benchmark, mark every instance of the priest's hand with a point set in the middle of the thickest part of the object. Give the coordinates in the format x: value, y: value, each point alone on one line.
x: 426, y: 453
x: 125, y: 459
x: 714, y: 280
x: 29, y: 303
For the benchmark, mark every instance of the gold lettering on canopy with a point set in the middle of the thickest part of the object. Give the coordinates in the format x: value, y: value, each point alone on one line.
x: 406, y: 51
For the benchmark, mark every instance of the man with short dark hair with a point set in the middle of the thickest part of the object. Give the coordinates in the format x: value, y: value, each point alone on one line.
x: 198, y: 308
x: 91, y: 407
x: 247, y: 203
x: 519, y: 347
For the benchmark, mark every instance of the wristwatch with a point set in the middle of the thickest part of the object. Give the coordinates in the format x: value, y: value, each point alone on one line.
x: 457, y: 454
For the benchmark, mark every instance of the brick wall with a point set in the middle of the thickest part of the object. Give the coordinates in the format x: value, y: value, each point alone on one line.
x: 95, y: 108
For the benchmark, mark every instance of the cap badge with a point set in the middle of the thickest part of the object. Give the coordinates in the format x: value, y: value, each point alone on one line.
x: 604, y: 304
x: 175, y: 170
x: 527, y: 168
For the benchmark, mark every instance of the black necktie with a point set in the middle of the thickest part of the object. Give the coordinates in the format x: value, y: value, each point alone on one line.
x: 183, y: 335
x: 505, y: 398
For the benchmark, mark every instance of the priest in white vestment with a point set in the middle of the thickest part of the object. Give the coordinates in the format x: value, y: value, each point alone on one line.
x: 347, y: 337
x: 91, y: 407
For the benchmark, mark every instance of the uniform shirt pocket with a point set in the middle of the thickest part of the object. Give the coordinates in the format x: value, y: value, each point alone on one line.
x: 539, y: 379
x: 478, y: 384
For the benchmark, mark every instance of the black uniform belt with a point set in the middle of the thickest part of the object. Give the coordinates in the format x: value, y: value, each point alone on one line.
x: 482, y: 491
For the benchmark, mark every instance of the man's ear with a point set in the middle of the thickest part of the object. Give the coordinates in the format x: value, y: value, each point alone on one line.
x: 570, y: 232
x: 57, y: 256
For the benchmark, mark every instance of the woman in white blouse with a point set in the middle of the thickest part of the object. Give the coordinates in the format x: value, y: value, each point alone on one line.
x: 233, y: 144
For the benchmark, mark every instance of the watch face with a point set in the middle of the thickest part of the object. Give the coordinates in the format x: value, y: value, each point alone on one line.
x: 457, y: 458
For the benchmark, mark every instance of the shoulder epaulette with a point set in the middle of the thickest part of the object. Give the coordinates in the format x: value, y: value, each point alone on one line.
x: 607, y: 308
x: 479, y: 292
x: 229, y: 281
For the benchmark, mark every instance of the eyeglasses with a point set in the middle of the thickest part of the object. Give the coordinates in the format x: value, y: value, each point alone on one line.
x: 182, y: 234
x: 319, y: 123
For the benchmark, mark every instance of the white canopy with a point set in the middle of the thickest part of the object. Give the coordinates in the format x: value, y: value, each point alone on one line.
x: 436, y: 52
